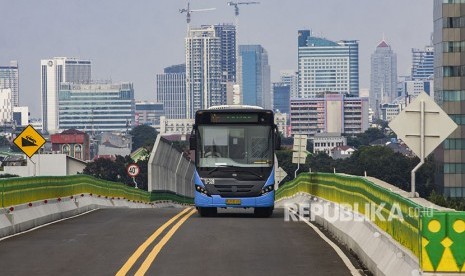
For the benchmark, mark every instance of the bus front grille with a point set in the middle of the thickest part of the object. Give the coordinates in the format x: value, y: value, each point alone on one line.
x: 235, y: 190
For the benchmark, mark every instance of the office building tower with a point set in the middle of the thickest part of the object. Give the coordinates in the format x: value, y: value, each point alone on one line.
x: 449, y: 91
x: 9, y: 78
x: 281, y: 97
x: 422, y: 63
x: 383, y: 85
x: 332, y: 112
x: 325, y: 65
x: 148, y: 113
x: 255, y: 76
x: 290, y: 78
x: 210, y: 65
x: 55, y: 71
x: 171, y: 91
x: 413, y: 88
x: 96, y: 107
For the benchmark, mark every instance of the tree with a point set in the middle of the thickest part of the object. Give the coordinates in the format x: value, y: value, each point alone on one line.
x: 104, y: 168
x: 4, y: 141
x: 115, y: 170
x: 143, y: 136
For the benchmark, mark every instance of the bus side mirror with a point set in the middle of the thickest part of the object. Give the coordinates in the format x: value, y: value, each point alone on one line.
x: 277, y: 141
x: 192, y: 142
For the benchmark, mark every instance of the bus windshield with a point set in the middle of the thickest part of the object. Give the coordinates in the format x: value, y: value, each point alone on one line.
x: 234, y: 145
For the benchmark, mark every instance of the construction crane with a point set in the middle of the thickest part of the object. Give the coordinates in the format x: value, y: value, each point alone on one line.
x: 236, y: 23
x: 188, y: 11
x: 236, y: 8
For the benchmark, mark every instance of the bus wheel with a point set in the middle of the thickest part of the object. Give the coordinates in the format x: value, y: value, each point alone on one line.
x: 263, y: 212
x: 207, y: 211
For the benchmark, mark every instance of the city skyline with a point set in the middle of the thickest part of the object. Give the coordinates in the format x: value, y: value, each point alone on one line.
x: 149, y: 46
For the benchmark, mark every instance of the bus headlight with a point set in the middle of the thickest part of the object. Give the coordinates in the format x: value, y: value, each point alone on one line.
x: 267, y: 189
x: 202, y: 190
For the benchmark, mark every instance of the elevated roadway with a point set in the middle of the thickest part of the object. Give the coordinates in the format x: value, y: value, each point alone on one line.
x: 151, y: 242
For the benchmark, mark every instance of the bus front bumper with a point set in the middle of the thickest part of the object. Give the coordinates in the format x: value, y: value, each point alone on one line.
x: 266, y: 200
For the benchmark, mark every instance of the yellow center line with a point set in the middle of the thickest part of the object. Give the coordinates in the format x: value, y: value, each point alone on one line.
x: 153, y: 254
x: 135, y: 256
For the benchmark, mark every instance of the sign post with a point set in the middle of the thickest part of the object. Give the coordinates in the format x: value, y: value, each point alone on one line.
x: 280, y: 174
x: 29, y: 141
x: 422, y: 125
x: 133, y: 170
x: 300, y: 151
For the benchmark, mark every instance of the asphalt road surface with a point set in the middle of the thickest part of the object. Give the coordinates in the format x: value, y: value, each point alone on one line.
x: 170, y: 242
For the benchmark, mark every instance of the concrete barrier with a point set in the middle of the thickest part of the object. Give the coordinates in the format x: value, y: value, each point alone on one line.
x: 19, y: 218
x: 377, y: 250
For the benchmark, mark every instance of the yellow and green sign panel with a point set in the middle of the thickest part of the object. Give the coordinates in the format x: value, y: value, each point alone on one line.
x: 443, y: 242
x: 29, y: 141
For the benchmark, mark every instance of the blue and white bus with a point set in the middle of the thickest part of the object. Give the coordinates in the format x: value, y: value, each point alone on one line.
x: 234, y: 159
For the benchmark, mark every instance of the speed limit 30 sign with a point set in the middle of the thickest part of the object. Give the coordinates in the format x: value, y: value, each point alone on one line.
x: 133, y: 170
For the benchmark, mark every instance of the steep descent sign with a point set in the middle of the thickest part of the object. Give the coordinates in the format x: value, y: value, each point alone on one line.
x: 29, y: 141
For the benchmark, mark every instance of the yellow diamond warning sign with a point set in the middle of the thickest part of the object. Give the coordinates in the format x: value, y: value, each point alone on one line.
x: 29, y: 141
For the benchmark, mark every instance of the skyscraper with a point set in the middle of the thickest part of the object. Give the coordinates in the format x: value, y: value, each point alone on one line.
x: 9, y: 78
x: 255, y: 76
x: 325, y: 65
x: 449, y: 90
x: 422, y: 63
x: 55, y: 71
x: 171, y: 91
x: 210, y: 65
x: 383, y: 86
x: 227, y: 35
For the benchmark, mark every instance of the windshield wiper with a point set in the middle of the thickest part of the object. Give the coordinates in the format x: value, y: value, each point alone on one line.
x: 222, y: 166
x: 240, y: 169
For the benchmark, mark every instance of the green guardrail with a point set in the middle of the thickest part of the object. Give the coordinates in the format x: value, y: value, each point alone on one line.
x: 436, y: 238
x: 170, y: 196
x: 15, y: 191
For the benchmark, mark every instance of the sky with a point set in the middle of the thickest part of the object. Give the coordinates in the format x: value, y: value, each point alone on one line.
x: 133, y: 41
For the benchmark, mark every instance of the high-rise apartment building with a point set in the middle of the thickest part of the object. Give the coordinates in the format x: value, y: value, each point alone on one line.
x: 332, y: 112
x: 6, y: 110
x: 55, y: 71
x: 383, y: 86
x: 449, y: 90
x: 96, y: 107
x: 9, y: 78
x: 325, y: 65
x: 210, y: 65
x: 227, y: 35
x: 171, y: 91
x: 255, y: 76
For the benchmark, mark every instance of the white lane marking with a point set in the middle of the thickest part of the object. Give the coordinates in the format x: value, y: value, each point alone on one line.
x: 47, y: 224
x: 354, y: 271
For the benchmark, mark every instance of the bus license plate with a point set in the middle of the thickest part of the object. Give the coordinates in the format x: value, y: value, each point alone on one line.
x: 233, y: 201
